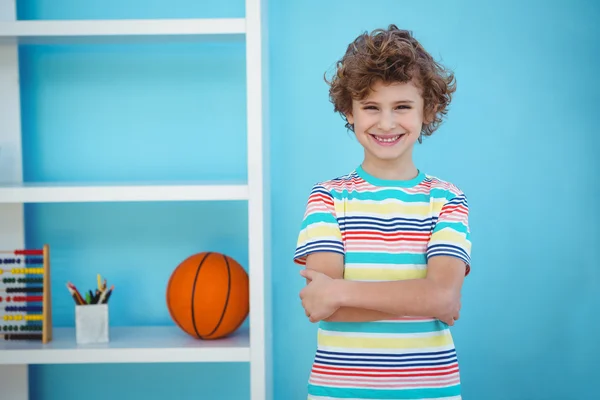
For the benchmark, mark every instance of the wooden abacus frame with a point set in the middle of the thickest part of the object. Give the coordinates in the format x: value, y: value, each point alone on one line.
x: 46, y: 335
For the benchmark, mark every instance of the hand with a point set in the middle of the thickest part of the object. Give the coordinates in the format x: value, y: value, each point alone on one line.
x: 451, y: 314
x: 319, y: 296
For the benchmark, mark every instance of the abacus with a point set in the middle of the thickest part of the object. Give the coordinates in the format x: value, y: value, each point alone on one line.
x: 27, y: 316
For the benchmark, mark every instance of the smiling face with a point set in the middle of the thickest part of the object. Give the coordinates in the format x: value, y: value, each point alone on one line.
x: 387, y: 123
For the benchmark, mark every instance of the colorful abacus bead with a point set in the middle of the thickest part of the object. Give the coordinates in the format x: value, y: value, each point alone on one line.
x: 33, y: 289
x: 10, y: 261
x: 23, y: 336
x: 24, y: 308
x: 27, y: 261
x: 22, y: 328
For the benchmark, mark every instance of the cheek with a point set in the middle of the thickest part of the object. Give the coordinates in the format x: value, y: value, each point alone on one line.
x: 364, y: 122
x: 412, y: 123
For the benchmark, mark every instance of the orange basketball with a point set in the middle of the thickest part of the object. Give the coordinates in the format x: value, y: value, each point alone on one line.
x: 208, y: 295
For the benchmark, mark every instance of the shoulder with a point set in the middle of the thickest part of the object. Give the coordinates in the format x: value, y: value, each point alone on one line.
x: 445, y: 191
x: 324, y: 194
x: 338, y: 184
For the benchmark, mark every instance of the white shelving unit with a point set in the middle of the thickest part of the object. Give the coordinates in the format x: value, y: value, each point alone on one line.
x: 78, y: 192
x: 36, y: 30
x: 153, y: 344
x: 141, y: 344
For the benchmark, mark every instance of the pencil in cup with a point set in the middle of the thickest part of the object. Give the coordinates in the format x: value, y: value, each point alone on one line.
x: 105, y: 295
x: 99, y: 297
x: 75, y: 294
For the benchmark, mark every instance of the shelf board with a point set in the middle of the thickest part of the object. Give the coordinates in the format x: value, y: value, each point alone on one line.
x: 119, y: 192
x: 163, y: 344
x: 121, y: 30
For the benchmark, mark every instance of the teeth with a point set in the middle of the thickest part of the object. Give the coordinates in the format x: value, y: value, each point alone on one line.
x: 387, y: 140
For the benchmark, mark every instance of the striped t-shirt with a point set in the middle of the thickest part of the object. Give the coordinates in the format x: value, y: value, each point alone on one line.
x: 386, y: 230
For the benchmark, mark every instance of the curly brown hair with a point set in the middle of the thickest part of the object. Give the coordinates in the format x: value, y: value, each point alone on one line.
x: 391, y: 55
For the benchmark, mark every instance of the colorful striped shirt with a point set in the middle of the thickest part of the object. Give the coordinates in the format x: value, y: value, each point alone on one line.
x: 386, y: 230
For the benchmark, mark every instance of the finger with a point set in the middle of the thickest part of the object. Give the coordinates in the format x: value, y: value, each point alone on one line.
x: 308, y: 273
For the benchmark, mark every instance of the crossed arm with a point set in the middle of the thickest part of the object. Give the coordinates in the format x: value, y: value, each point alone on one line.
x: 329, y: 297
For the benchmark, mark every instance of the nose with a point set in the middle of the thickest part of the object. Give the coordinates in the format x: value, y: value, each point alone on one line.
x: 386, y: 121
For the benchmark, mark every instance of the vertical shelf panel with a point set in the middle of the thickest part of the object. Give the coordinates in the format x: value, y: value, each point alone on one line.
x: 258, y: 203
x: 13, y: 378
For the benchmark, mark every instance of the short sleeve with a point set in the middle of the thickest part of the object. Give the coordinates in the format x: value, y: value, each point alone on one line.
x: 320, y: 230
x: 451, y: 235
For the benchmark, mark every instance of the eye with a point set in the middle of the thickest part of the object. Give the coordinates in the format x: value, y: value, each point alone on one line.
x: 404, y: 107
x: 369, y: 108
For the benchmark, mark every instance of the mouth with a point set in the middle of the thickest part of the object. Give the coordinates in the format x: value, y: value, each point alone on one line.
x: 387, y: 140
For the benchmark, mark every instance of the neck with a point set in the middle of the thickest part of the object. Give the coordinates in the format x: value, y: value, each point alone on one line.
x: 391, y: 169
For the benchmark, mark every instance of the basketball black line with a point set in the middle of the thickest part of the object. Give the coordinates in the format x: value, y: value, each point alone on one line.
x: 238, y: 325
x: 227, y: 298
x: 194, y: 293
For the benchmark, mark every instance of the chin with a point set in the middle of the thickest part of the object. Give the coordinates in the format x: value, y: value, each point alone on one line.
x: 389, y: 152
x: 388, y: 157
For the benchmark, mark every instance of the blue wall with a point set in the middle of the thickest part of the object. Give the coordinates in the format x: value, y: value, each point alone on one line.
x: 519, y: 140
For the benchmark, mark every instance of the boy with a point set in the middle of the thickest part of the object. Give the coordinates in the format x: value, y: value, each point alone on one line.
x: 386, y: 247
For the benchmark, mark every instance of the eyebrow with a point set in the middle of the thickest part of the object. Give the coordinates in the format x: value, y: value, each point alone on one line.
x: 395, y: 102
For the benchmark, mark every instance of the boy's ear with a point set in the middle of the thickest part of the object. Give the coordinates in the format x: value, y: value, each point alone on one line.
x: 349, y: 118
